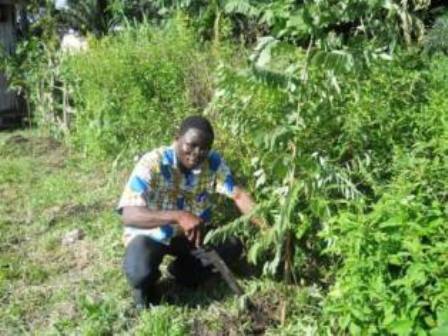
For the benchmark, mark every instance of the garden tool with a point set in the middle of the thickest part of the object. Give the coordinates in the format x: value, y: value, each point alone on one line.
x: 209, y: 257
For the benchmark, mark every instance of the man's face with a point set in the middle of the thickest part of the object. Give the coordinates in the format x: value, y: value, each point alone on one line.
x: 192, y: 148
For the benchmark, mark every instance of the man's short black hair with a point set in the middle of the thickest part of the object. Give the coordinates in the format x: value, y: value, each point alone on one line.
x: 198, y: 122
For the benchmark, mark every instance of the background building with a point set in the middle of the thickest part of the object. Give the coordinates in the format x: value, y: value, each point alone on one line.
x: 10, y: 110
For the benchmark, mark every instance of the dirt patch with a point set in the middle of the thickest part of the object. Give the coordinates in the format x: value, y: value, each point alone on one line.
x: 66, y: 310
x: 229, y: 324
x: 262, y: 313
x: 16, y: 140
x: 80, y: 255
x: 38, y: 144
x: 49, y: 147
x: 58, y: 213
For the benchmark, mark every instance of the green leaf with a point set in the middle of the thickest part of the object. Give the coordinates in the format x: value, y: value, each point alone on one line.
x: 440, y: 331
x: 401, y: 327
x: 442, y: 320
x: 442, y: 316
x: 354, y: 329
x: 391, y: 222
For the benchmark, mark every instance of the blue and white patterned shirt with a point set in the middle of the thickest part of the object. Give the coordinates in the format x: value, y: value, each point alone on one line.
x: 157, y: 183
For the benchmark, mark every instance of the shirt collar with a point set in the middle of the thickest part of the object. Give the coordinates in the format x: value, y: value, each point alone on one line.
x: 169, y: 157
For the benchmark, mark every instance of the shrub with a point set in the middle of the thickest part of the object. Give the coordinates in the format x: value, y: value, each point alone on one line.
x: 393, y: 274
x: 131, y: 89
x: 349, y: 170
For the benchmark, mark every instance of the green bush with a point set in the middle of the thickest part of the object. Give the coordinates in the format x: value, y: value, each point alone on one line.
x: 133, y: 88
x: 349, y: 169
x: 393, y: 270
x: 393, y: 274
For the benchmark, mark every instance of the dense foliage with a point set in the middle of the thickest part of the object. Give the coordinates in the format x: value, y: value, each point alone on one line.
x: 337, y: 119
x: 130, y: 89
x: 393, y: 274
x: 353, y: 174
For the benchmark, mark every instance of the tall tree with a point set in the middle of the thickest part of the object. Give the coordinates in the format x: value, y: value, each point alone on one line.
x: 85, y: 16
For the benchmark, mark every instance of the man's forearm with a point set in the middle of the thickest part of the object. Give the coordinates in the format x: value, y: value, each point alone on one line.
x: 145, y: 218
x: 246, y: 204
x: 243, y: 201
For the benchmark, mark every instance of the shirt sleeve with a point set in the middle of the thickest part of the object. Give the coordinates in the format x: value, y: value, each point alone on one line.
x: 225, y: 184
x: 139, y: 185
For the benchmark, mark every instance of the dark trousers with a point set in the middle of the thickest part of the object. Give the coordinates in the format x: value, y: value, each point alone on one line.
x: 143, y: 257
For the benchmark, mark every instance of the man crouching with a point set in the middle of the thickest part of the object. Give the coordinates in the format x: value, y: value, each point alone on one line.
x: 166, y: 204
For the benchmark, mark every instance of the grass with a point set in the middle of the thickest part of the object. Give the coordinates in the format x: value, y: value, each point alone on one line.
x: 51, y: 288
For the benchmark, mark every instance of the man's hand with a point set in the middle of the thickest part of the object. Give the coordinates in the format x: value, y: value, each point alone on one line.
x: 191, y: 224
x: 195, y: 236
x: 188, y: 221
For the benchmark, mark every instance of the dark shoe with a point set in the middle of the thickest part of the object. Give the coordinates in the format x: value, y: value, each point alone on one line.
x: 147, y: 298
x: 139, y: 299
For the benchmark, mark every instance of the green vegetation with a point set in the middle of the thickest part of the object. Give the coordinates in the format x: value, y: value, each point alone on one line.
x: 332, y: 113
x: 132, y: 82
x: 51, y: 288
